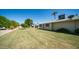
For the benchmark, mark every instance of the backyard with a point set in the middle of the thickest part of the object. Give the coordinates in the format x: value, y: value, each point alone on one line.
x: 35, y: 38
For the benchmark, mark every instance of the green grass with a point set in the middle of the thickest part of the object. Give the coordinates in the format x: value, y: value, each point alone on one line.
x: 35, y: 38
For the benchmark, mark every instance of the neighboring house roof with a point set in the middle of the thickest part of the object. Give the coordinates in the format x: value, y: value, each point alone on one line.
x: 62, y: 20
x: 67, y: 19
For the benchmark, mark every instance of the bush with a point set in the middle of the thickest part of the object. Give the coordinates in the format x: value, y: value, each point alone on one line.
x: 77, y: 31
x: 11, y: 27
x: 63, y: 30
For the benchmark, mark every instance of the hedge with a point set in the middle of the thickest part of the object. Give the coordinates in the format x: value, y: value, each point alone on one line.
x: 63, y: 30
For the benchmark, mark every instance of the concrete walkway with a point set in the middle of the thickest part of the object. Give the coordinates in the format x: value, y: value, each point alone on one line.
x: 3, y: 32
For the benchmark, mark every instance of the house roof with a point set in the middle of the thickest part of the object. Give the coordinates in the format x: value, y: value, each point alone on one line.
x: 67, y: 19
x: 62, y: 20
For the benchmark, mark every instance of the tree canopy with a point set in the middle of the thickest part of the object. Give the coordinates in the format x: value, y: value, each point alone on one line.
x: 28, y: 22
x: 5, y: 22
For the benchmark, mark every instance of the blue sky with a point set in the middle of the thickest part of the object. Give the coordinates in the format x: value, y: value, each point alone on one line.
x: 37, y: 15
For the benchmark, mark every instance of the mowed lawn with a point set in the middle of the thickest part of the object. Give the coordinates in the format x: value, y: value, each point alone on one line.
x: 35, y: 38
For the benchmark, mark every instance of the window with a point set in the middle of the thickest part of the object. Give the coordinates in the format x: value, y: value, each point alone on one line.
x: 47, y: 25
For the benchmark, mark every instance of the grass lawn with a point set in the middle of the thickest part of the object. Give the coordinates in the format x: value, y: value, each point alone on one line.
x: 35, y: 38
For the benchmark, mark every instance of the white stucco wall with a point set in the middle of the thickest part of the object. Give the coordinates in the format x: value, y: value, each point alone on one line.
x: 70, y: 25
x: 41, y: 27
x: 48, y: 27
x: 77, y: 24
x: 67, y: 24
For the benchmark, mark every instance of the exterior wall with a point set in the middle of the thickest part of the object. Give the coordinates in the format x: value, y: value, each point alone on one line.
x: 48, y: 27
x: 70, y: 25
x: 77, y: 24
x: 40, y: 26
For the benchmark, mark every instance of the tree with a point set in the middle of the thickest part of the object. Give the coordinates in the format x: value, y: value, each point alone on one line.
x: 4, y: 22
x: 23, y: 25
x: 28, y: 22
x: 54, y: 14
x: 13, y: 24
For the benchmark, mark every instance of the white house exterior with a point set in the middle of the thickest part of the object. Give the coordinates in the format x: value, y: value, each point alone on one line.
x: 47, y: 26
x: 70, y: 24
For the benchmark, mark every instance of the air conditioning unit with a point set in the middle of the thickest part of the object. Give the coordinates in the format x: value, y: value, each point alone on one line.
x: 71, y: 16
x: 61, y: 16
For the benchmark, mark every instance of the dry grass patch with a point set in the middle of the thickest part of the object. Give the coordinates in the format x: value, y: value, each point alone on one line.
x: 35, y: 38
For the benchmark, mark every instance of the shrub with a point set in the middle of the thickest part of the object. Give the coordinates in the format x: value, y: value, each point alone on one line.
x: 63, y: 30
x: 11, y: 27
x: 77, y: 31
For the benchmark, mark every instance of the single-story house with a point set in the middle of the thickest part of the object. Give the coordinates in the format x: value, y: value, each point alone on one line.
x: 69, y: 23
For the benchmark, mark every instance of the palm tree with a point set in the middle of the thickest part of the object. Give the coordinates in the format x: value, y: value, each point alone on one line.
x: 54, y: 14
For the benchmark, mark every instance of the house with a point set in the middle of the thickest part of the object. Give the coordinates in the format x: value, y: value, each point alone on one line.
x: 70, y: 24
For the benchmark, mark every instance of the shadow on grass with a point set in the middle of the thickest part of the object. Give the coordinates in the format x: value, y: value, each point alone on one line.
x: 77, y: 34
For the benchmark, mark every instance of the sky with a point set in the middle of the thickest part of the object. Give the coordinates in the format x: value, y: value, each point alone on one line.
x: 37, y: 15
